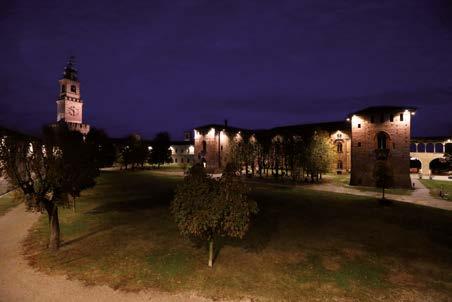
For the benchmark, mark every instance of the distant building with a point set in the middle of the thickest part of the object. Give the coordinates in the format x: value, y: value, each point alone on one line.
x: 69, y: 103
x: 182, y: 152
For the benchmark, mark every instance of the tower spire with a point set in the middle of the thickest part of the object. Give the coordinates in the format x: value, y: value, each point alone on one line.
x: 69, y: 71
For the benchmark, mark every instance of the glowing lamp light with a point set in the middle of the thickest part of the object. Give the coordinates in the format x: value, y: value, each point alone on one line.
x: 348, y: 119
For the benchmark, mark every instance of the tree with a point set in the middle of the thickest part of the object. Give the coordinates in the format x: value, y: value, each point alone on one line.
x: 383, y: 176
x: 320, y: 154
x: 160, y: 152
x: 134, y: 153
x: 206, y: 208
x: 48, y: 171
x: 102, y: 147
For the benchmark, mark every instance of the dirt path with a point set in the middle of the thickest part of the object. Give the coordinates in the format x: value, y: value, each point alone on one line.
x: 19, y: 282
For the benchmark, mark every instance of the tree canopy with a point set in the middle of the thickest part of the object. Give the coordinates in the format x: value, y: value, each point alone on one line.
x: 49, y: 170
x: 207, y: 208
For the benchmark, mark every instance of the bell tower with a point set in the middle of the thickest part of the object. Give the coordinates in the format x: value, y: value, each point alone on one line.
x: 69, y: 103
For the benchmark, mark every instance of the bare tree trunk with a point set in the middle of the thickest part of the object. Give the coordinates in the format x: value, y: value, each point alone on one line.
x: 210, y: 252
x: 54, y: 227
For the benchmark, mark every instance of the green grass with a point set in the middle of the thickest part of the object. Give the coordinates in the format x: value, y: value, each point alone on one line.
x: 8, y: 201
x: 304, y: 245
x: 436, y: 185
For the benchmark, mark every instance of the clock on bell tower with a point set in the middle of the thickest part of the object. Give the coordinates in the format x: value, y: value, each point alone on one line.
x: 69, y: 103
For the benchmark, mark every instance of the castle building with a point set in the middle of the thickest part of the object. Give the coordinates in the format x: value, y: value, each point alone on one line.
x: 371, y: 136
x: 69, y: 103
x: 381, y: 135
x: 213, y: 142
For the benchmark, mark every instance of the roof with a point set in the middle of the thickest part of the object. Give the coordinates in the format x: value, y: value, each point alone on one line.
x: 219, y: 126
x: 182, y: 143
x: 433, y: 139
x: 327, y: 126
x: 379, y: 109
x: 69, y: 71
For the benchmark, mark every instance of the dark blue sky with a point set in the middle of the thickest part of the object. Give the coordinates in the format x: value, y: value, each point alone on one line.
x: 147, y: 66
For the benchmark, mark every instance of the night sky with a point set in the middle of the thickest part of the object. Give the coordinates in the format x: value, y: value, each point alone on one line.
x: 147, y: 66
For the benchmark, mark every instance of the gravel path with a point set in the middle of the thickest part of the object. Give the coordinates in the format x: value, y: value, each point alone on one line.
x: 420, y: 196
x: 20, y: 282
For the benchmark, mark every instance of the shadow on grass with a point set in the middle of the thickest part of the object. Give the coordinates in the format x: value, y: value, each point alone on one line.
x: 87, y: 235
x: 131, y: 205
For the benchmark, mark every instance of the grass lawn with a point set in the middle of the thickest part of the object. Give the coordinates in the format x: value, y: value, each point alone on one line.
x: 8, y: 201
x: 303, y: 246
x: 436, y: 185
x: 344, y: 180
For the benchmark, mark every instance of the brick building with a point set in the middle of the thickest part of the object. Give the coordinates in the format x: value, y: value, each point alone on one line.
x: 370, y: 135
x: 381, y: 134
x: 213, y: 141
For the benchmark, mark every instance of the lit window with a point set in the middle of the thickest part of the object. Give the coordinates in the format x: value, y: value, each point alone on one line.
x: 339, y: 147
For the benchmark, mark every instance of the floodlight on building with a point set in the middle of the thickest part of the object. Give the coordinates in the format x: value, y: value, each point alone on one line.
x: 348, y: 119
x: 413, y: 113
x: 149, y: 148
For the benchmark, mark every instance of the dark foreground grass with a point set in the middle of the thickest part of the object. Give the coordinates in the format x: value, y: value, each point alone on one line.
x: 303, y: 246
x: 435, y: 186
x: 8, y: 201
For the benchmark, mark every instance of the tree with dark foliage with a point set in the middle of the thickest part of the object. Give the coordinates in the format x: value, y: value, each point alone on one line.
x: 207, y: 208
x: 160, y: 152
x: 50, y: 172
x: 102, y: 147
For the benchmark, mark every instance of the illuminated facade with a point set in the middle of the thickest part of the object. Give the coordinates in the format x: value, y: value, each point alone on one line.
x: 381, y: 135
x: 213, y: 142
x: 69, y: 103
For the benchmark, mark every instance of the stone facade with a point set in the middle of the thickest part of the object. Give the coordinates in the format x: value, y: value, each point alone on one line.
x: 182, y: 152
x: 381, y: 134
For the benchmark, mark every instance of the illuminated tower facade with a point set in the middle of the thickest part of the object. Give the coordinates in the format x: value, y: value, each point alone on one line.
x: 69, y: 103
x: 381, y: 137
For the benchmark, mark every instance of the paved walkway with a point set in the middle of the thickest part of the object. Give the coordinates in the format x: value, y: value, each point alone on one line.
x: 20, y: 282
x: 421, y: 195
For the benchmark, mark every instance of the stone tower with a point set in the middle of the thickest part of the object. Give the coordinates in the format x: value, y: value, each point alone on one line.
x: 381, y: 136
x: 69, y: 103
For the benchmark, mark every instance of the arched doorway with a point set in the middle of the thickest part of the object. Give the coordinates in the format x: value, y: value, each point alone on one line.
x: 415, y: 165
x: 439, y: 166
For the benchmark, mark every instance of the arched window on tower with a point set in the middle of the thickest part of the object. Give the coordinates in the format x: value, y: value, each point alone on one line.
x: 339, y: 147
x: 73, y: 88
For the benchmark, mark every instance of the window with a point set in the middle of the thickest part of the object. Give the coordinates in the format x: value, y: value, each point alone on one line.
x: 359, y: 125
x: 73, y: 89
x: 339, y: 147
x: 204, y: 146
x: 340, y: 165
x: 175, y: 160
x: 359, y: 144
x: 372, y: 119
x: 63, y: 88
x: 221, y: 147
x: 182, y: 160
x: 401, y: 117
x: 381, y: 140
x: 391, y: 118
